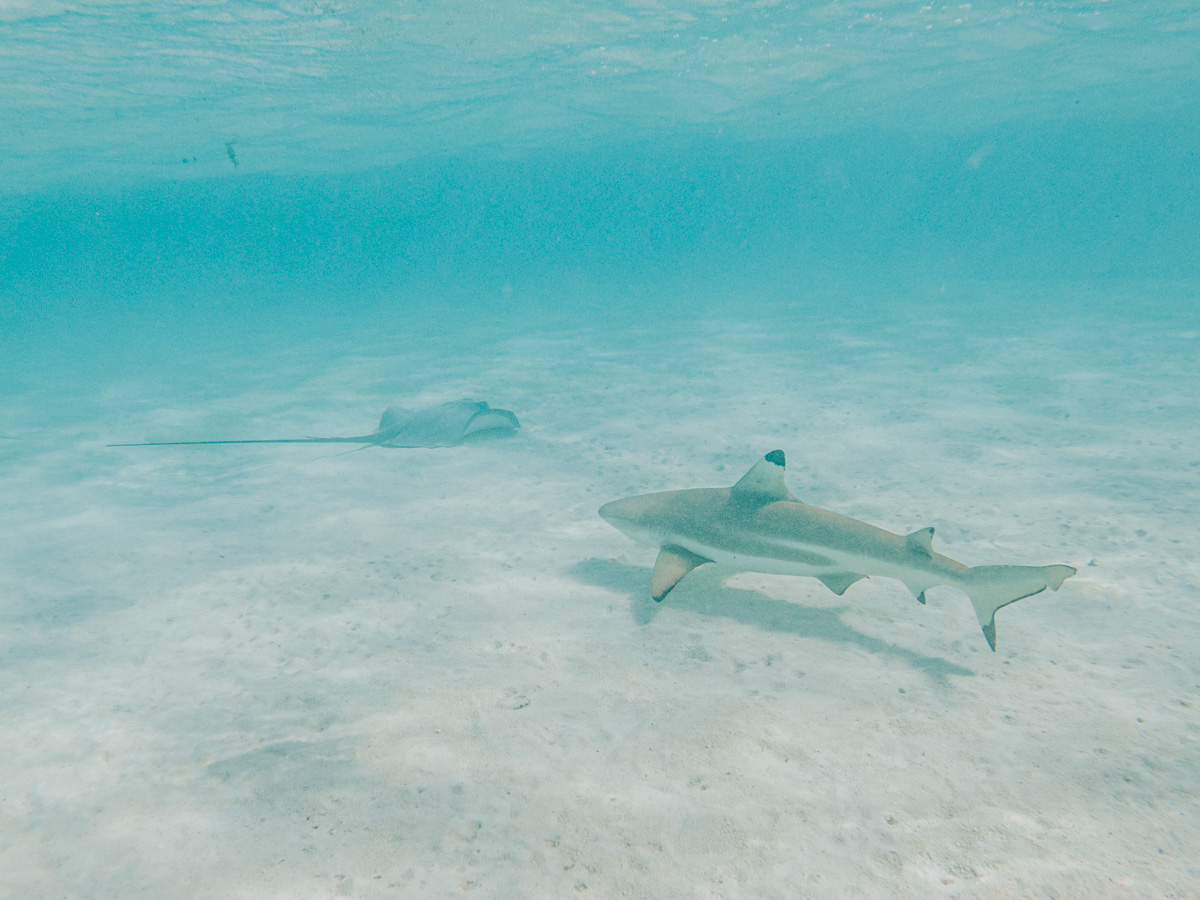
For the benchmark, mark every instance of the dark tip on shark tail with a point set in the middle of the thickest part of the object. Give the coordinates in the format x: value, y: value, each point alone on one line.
x: 989, y: 632
x: 776, y: 456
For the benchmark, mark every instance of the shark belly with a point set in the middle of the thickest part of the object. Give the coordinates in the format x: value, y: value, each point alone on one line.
x: 772, y: 559
x: 807, y: 564
x: 814, y: 561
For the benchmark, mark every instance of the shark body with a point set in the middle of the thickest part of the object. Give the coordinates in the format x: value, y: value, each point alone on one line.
x: 759, y: 526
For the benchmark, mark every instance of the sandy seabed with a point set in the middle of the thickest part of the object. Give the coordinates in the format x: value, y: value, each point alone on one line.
x: 291, y: 672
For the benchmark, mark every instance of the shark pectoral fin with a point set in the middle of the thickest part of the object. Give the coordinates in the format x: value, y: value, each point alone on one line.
x: 921, y: 541
x: 672, y: 564
x: 764, y: 482
x: 839, y: 581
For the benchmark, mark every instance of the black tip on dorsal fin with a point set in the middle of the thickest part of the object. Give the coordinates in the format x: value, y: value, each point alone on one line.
x: 921, y: 540
x: 764, y: 482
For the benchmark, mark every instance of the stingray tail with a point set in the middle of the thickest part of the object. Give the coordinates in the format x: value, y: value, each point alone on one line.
x: 358, y: 439
x: 363, y: 439
x: 993, y: 587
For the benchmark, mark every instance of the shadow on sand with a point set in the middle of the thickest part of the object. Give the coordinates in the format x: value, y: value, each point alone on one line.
x: 704, y: 594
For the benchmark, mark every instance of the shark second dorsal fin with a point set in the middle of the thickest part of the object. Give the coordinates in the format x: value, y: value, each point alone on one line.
x: 764, y: 482
x: 839, y: 581
x: 921, y: 541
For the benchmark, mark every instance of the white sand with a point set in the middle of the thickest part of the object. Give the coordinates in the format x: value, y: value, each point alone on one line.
x: 244, y: 672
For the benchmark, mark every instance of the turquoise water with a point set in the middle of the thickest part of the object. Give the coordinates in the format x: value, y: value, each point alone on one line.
x: 945, y: 256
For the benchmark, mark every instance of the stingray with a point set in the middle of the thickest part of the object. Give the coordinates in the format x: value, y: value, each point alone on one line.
x: 440, y: 426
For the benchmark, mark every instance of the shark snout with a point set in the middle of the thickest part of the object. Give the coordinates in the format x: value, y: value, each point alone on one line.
x: 628, y: 518
x: 615, y: 512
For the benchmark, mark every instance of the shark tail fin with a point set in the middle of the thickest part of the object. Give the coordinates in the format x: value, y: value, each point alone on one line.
x: 993, y: 587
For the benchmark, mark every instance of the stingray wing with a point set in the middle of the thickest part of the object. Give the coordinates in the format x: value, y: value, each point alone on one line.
x: 394, y: 417
x: 448, y: 424
x: 490, y: 419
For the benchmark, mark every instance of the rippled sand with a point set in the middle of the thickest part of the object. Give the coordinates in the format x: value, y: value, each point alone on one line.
x: 287, y: 672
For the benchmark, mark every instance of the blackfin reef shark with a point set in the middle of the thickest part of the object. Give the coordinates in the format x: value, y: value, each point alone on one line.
x: 759, y: 526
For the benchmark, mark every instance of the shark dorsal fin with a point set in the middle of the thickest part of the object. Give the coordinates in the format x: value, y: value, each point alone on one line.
x: 921, y: 541
x: 764, y: 482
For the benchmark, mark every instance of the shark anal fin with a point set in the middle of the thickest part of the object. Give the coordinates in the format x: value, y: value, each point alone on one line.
x: 672, y: 564
x: 764, y: 482
x: 921, y: 541
x: 839, y: 581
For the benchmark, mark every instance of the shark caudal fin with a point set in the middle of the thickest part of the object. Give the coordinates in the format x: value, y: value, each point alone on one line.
x: 993, y: 587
